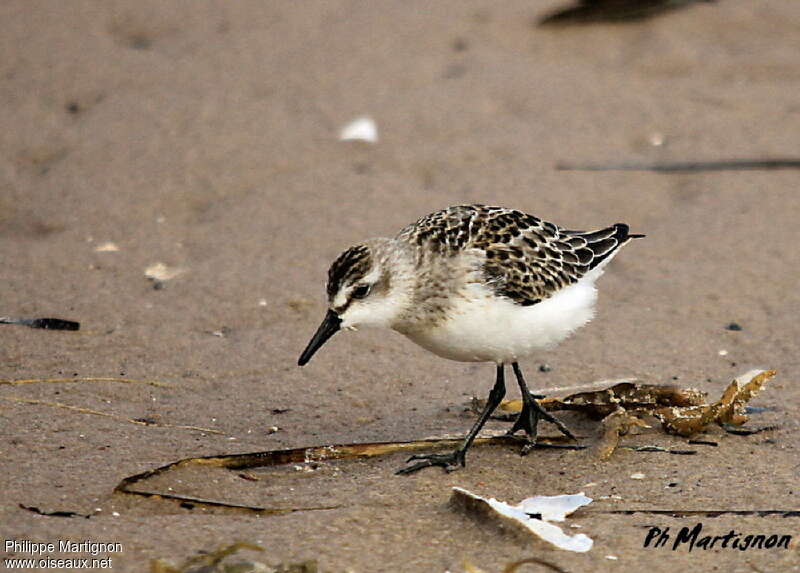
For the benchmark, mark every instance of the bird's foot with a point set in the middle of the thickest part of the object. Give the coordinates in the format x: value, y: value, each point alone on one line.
x: 528, y: 421
x: 450, y: 462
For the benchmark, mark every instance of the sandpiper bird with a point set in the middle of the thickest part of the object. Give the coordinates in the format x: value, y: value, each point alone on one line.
x: 475, y: 284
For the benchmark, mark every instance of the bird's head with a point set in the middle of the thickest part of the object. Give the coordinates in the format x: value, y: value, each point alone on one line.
x: 366, y: 287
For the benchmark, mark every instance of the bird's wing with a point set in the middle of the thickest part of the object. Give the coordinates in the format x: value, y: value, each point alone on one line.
x: 524, y: 258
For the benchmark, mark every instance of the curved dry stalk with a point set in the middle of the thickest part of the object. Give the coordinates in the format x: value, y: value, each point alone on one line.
x: 84, y: 379
x: 83, y: 410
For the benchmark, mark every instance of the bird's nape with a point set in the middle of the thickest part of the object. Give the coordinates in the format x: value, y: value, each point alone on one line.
x: 330, y: 325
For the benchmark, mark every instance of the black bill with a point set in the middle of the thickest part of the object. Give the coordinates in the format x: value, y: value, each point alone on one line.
x: 328, y: 328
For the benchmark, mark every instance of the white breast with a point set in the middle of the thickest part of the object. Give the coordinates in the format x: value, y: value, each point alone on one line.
x: 483, y: 328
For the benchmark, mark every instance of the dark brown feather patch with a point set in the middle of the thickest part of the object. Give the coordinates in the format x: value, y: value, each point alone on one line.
x: 526, y: 259
x: 351, y: 265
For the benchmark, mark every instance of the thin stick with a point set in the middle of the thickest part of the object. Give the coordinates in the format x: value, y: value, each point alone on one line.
x: 585, y: 386
x: 82, y: 410
x: 84, y: 379
x: 685, y: 166
x: 704, y: 512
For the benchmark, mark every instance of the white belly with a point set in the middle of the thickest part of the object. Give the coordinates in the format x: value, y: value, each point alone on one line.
x: 483, y: 328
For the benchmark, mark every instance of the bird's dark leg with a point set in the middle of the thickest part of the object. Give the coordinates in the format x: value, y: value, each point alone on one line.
x: 532, y: 411
x: 451, y: 461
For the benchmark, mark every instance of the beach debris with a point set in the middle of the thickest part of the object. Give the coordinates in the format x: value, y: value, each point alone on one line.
x: 737, y: 431
x: 300, y: 304
x: 57, y: 513
x: 43, y: 323
x: 733, y: 326
x: 681, y: 411
x: 212, y: 562
x: 703, y: 512
x: 616, y: 424
x: 638, y: 475
x: 598, y: 404
x: 460, y: 45
x: 514, y: 566
x: 729, y: 410
x: 593, y: 11
x: 533, y: 515
x: 675, y: 451
x: 133, y: 485
x: 159, y: 273
x: 685, y: 166
x: 703, y: 443
x: 107, y: 247
x: 222, y: 332
x: 138, y: 421
x: 360, y: 129
x: 20, y: 381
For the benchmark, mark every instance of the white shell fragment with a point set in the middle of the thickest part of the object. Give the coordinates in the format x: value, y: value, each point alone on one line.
x: 108, y: 247
x: 161, y: 272
x: 360, y: 129
x: 554, y: 507
x: 550, y: 508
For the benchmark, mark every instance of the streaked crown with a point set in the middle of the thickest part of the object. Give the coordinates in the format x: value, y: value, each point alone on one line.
x: 351, y: 266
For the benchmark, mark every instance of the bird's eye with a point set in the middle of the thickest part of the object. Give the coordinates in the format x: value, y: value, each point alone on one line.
x: 361, y: 291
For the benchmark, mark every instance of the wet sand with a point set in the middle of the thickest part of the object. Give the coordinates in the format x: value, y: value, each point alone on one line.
x: 204, y: 136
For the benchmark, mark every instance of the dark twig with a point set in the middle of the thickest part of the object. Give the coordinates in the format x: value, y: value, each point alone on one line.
x: 45, y: 323
x: 703, y: 512
x: 675, y: 451
x: 54, y: 513
x: 739, y: 431
x: 703, y: 443
x: 685, y: 166
x: 593, y: 11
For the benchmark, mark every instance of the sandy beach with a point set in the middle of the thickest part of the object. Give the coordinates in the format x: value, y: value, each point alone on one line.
x: 204, y: 136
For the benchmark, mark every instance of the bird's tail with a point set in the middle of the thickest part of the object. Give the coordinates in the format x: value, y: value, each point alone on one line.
x: 605, y: 242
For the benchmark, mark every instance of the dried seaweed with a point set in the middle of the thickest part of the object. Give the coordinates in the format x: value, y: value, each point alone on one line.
x: 275, y: 458
x: 211, y: 562
x: 682, y: 411
x: 616, y: 424
x: 621, y: 406
x: 598, y: 404
x: 629, y: 396
x: 514, y: 566
x: 728, y: 410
